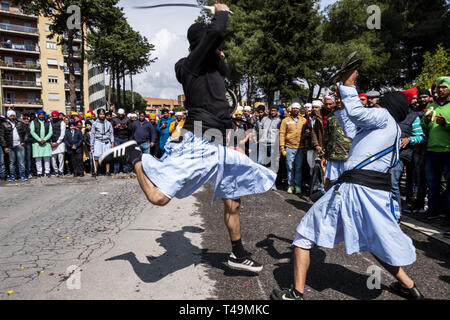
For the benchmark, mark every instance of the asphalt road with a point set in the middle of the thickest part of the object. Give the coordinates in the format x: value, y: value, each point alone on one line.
x: 100, y: 239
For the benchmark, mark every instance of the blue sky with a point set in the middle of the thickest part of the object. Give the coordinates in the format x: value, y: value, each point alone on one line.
x: 166, y: 28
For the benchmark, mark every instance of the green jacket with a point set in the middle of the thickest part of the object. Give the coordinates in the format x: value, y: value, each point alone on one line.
x: 438, y: 136
x: 335, y: 144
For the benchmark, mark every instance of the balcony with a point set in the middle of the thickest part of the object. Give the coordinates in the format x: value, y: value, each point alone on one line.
x: 16, y: 29
x: 76, y: 54
x: 76, y: 37
x: 14, y: 47
x: 67, y: 87
x: 77, y: 70
x: 36, y: 102
x: 77, y: 103
x: 20, y: 66
x: 20, y: 84
x: 16, y: 12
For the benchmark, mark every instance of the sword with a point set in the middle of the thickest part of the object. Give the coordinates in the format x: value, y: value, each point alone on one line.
x: 190, y: 5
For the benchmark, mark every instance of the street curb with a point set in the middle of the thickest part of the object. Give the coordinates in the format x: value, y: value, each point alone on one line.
x: 425, y: 229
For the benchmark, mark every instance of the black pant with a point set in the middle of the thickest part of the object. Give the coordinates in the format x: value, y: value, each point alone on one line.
x: 77, y: 163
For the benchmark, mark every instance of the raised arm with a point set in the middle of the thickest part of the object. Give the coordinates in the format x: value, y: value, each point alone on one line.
x: 211, y: 41
x: 370, y: 118
x: 347, y: 125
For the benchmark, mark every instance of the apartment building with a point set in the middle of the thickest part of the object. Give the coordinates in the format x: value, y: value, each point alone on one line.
x: 155, y: 105
x: 33, y: 68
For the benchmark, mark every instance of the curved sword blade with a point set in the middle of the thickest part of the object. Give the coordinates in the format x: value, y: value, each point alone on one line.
x: 169, y: 5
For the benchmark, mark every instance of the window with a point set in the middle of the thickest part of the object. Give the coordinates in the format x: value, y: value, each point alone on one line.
x: 47, y: 27
x: 9, y: 61
x: 5, y: 5
x: 52, y: 79
x: 51, y: 45
x: 53, y: 96
x: 52, y: 62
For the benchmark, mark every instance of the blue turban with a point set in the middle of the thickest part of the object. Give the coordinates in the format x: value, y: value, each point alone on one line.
x: 40, y: 112
x: 72, y: 123
x: 280, y: 109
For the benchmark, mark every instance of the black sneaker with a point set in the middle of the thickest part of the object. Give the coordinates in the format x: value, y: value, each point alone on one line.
x: 118, y: 153
x: 410, y: 294
x: 287, y: 294
x: 447, y: 234
x: 244, y: 263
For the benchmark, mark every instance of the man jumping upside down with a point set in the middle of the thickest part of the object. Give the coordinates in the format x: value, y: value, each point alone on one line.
x: 199, y: 155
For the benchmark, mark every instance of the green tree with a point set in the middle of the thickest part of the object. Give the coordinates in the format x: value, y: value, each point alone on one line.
x: 435, y: 65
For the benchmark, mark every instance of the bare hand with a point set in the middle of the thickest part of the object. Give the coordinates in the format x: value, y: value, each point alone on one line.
x: 152, y: 144
x: 92, y: 148
x: 42, y: 142
x: 74, y: 147
x: 54, y: 145
x: 6, y: 150
x: 441, y: 120
x: 112, y: 144
x: 404, y: 142
x: 319, y: 149
x: 323, y: 163
x: 221, y: 7
x: 349, y: 78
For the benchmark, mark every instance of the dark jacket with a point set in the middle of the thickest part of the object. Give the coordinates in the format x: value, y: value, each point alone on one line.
x: 203, y: 81
x: 143, y: 132
x: 6, y: 133
x: 121, y: 133
x: 76, y: 140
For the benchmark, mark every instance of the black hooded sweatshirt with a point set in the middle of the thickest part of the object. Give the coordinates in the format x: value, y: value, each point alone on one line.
x: 203, y: 83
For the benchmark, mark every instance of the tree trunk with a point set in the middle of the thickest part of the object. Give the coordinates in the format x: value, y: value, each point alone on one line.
x: 132, y: 92
x: 83, y: 53
x: 70, y: 59
x: 119, y: 105
x: 124, y: 87
x: 110, y: 87
x: 113, y: 70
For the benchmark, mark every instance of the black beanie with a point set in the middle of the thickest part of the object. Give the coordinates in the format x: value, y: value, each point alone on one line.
x: 397, y: 104
x: 195, y: 34
x: 424, y: 92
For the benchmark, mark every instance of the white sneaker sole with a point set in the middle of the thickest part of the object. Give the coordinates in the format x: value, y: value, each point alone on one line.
x: 116, y: 151
x: 244, y: 267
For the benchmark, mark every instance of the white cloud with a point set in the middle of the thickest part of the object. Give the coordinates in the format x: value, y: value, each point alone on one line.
x: 166, y: 28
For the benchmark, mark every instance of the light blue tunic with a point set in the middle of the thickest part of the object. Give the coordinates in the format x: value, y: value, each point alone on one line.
x: 188, y: 165
x: 364, y: 218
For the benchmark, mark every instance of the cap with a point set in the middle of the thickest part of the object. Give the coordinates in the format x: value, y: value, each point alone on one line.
x: 373, y: 94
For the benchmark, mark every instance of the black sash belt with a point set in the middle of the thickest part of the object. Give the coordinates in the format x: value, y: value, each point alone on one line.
x: 367, y: 178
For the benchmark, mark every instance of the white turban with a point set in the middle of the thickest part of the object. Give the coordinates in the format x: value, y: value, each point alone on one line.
x: 296, y: 105
x: 308, y: 106
x: 178, y: 114
x: 240, y: 108
x: 317, y: 103
x: 10, y: 113
x: 248, y: 108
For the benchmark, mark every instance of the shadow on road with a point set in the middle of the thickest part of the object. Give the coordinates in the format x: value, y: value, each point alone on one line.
x: 321, y: 275
x: 180, y: 253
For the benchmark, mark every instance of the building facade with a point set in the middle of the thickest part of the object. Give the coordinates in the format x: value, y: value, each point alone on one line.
x: 155, y: 105
x: 97, y: 93
x: 34, y: 71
